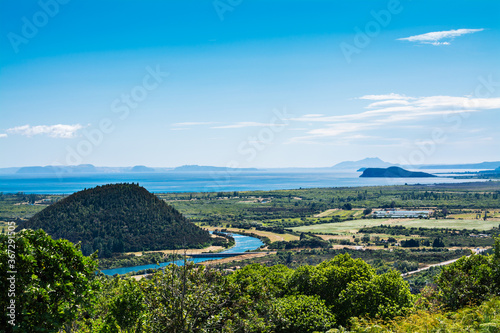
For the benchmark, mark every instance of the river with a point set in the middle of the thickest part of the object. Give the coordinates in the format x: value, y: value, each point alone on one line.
x: 242, y: 244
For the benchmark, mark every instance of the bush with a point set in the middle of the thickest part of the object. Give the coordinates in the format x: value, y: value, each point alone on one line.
x: 467, y: 281
x: 301, y: 314
x: 351, y: 288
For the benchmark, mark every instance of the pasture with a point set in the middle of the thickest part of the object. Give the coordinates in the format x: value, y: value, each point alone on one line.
x: 341, y: 227
x: 451, y: 223
x: 354, y: 225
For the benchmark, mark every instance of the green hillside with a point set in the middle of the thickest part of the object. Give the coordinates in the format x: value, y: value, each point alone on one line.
x: 118, y: 218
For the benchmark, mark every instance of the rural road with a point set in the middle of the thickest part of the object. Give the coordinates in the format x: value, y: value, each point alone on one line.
x: 476, y: 251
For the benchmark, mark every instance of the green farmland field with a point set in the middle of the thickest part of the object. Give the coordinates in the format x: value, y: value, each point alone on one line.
x: 449, y: 223
x: 355, y: 225
x: 340, y: 227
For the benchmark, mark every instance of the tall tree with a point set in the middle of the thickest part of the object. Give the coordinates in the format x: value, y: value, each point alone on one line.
x: 51, y: 281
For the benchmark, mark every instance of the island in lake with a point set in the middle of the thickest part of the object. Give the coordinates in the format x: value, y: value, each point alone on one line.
x: 394, y: 172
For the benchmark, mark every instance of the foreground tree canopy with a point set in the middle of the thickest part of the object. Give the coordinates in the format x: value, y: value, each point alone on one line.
x: 470, y: 280
x: 50, y: 281
x: 56, y: 289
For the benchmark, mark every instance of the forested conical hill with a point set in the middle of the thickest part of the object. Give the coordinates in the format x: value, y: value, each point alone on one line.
x: 118, y: 218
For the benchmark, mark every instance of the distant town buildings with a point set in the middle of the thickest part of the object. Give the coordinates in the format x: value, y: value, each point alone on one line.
x: 479, y: 235
x: 401, y: 213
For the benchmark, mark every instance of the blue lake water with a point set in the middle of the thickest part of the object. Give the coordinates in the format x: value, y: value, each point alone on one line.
x: 242, y: 244
x: 201, y: 181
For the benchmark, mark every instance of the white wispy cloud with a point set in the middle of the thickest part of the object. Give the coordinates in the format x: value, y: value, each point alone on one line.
x: 414, y: 107
x: 3, y: 135
x: 54, y: 131
x: 391, y: 96
x: 392, y: 102
x: 389, y: 110
x: 439, y: 37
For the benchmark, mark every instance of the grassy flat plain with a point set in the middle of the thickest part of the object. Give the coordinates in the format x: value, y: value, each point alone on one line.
x: 355, y: 225
x: 451, y: 223
x: 341, y: 227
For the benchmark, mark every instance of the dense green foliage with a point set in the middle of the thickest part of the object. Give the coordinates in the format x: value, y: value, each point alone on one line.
x: 57, y: 291
x: 351, y: 288
x: 118, y: 218
x: 298, y: 314
x: 470, y: 287
x: 186, y: 299
x: 467, y: 281
x: 423, y: 279
x: 470, y: 280
x: 51, y: 281
x: 256, y: 298
x: 484, y: 318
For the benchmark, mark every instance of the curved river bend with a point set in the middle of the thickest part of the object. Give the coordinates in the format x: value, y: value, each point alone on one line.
x: 242, y: 244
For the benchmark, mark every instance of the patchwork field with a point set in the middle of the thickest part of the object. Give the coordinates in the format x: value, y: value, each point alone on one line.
x: 341, y: 227
x: 451, y: 223
x: 354, y: 225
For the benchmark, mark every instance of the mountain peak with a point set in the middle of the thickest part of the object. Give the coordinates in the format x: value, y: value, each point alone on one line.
x: 369, y: 162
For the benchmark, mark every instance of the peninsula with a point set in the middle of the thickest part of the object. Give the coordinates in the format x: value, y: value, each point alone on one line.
x: 394, y: 172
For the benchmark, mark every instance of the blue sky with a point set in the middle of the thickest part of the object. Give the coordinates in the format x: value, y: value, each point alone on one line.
x: 248, y: 83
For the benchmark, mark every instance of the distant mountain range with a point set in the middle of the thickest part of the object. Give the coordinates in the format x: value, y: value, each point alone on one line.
x: 198, y: 168
x: 82, y: 168
x: 371, y: 162
x: 142, y: 168
x: 347, y: 166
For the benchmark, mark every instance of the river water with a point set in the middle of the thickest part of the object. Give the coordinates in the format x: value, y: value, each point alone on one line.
x: 242, y: 244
